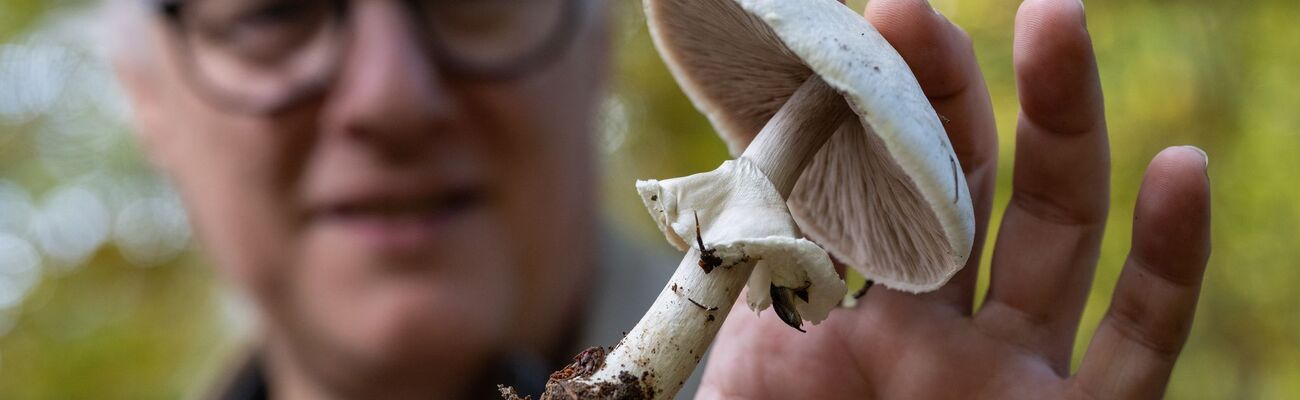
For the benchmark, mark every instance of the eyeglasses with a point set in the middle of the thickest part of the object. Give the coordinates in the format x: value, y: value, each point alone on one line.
x: 265, y: 56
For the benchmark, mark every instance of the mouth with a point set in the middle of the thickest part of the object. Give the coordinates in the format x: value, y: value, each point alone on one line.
x: 401, y: 221
x: 421, y: 207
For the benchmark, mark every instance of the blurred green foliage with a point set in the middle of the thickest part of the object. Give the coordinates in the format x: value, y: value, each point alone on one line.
x: 1219, y: 75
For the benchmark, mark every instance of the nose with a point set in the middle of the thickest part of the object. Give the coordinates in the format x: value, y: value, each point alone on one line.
x: 389, y: 95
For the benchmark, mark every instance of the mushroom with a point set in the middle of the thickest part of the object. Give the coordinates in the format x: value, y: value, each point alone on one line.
x: 781, y: 81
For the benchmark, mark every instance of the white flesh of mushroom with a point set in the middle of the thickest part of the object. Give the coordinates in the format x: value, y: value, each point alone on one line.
x: 887, y: 196
x: 744, y: 222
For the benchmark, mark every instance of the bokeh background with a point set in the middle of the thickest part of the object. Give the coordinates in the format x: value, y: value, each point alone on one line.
x: 103, y: 294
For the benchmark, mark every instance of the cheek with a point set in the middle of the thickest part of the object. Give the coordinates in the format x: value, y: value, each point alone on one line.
x: 236, y: 178
x: 539, y: 139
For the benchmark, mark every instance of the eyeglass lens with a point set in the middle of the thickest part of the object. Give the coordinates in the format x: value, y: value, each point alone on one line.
x: 262, y: 52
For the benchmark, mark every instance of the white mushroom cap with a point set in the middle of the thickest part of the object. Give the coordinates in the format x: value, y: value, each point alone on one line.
x: 743, y: 218
x: 886, y: 194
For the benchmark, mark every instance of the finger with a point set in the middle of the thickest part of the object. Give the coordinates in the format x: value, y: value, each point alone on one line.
x: 942, y: 58
x: 1134, y: 349
x: 1050, y: 237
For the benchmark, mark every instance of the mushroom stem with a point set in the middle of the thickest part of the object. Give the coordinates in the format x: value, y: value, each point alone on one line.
x: 659, y: 354
x: 798, y: 130
x: 665, y: 346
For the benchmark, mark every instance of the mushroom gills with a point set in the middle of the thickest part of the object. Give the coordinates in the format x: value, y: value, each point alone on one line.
x: 798, y: 130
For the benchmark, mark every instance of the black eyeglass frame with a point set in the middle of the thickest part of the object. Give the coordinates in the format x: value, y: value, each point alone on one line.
x: 544, y: 54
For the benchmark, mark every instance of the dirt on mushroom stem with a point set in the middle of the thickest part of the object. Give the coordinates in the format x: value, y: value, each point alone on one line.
x: 647, y: 362
x: 708, y: 259
x: 563, y: 384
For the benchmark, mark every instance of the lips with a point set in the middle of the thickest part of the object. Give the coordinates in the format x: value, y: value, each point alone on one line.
x: 399, y: 221
x: 448, y: 202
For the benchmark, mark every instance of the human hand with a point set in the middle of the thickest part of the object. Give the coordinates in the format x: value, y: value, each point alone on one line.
x: 1018, y: 344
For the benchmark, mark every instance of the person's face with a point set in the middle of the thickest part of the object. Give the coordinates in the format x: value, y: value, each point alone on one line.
x: 404, y: 214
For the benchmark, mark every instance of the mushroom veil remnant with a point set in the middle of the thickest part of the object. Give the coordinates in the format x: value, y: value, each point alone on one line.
x: 834, y: 139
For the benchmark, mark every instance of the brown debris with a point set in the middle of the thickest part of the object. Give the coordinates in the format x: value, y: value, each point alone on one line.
x: 627, y: 387
x: 701, y: 306
x: 566, y: 384
x: 783, y: 304
x: 509, y: 393
x: 708, y: 259
x: 675, y: 289
x: 584, y: 364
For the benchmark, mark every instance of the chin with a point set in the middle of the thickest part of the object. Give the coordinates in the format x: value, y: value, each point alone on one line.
x: 424, y: 326
x: 420, y: 313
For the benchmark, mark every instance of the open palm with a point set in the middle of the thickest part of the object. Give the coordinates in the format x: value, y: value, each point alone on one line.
x: 1018, y: 344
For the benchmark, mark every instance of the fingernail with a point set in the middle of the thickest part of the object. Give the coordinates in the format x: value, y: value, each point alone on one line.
x: 1083, y: 14
x: 1205, y: 158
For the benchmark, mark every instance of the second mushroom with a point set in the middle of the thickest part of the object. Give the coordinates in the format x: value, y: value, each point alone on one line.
x: 833, y: 139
